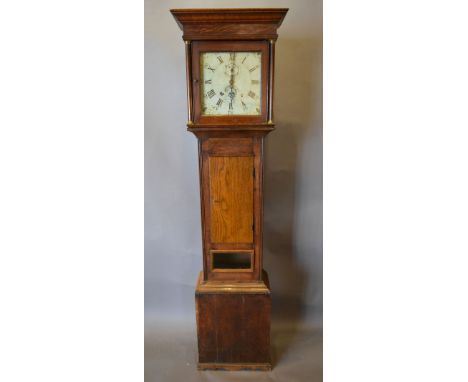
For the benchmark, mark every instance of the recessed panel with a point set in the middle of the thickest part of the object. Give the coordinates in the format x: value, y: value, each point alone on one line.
x: 231, y: 194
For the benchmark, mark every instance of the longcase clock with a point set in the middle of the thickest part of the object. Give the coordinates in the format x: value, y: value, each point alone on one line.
x: 230, y: 70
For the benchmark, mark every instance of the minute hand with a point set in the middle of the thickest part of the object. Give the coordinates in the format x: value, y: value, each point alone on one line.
x: 231, y: 85
x: 231, y: 80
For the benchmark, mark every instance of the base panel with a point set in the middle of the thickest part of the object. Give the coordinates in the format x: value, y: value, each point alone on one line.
x: 233, y: 327
x: 235, y: 366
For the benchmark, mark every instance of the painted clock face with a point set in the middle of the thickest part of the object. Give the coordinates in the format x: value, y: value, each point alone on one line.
x: 231, y: 83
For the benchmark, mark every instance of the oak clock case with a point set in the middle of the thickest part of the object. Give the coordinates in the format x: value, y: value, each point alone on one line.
x: 230, y: 70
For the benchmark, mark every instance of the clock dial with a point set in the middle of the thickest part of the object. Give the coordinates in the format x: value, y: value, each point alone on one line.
x: 231, y: 83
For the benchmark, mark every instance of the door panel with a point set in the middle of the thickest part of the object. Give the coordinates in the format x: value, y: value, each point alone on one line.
x: 231, y: 189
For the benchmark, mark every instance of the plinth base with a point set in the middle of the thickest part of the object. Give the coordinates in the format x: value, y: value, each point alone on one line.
x: 233, y: 325
x: 235, y: 366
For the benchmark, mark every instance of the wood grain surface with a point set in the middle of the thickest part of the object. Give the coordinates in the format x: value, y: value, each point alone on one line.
x: 231, y: 189
x: 229, y: 24
x: 234, y: 328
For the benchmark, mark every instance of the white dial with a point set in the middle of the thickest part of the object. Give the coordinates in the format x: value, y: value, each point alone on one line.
x: 231, y: 83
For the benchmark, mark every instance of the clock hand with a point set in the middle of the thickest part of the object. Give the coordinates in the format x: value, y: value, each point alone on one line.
x: 231, y: 86
x: 232, y: 78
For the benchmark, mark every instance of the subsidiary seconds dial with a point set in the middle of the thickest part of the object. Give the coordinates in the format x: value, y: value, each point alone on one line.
x: 231, y: 83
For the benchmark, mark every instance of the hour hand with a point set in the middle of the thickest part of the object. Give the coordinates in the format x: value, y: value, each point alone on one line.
x: 231, y: 93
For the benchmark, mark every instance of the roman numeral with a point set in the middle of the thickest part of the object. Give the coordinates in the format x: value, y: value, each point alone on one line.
x: 208, y: 82
x: 251, y: 94
x: 211, y: 93
x: 244, y: 105
x: 220, y: 59
x: 210, y: 68
x: 232, y: 56
x: 245, y: 58
x: 255, y: 82
x: 220, y: 102
x: 230, y: 105
x: 252, y: 69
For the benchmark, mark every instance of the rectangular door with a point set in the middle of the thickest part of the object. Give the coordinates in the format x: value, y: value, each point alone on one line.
x: 231, y: 204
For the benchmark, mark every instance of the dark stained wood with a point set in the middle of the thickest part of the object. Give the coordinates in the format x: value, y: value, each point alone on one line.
x: 271, y: 81
x: 233, y: 328
x: 225, y: 129
x: 258, y: 204
x: 234, y: 366
x: 188, y: 61
x: 230, y: 46
x: 229, y: 24
x: 220, y: 31
x: 205, y: 201
x: 229, y: 146
x: 223, y: 286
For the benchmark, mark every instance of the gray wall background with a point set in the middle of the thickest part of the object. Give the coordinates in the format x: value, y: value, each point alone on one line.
x: 293, y: 168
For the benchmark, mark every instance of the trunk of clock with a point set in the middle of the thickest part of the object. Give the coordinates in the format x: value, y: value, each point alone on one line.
x: 233, y: 325
x: 231, y: 197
